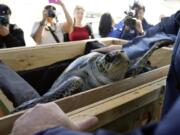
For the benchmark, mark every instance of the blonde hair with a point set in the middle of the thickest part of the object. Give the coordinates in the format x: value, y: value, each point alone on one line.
x: 79, y: 8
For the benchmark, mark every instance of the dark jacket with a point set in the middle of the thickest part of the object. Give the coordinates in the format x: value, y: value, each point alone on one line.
x: 146, y: 25
x: 132, y: 32
x: 14, y: 39
x: 129, y: 34
x: 170, y: 122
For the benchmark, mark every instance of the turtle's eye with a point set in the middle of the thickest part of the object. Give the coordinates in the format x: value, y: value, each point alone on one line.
x: 109, y: 57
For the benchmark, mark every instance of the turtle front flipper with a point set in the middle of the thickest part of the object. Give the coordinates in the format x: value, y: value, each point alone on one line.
x: 67, y: 88
x: 143, y: 61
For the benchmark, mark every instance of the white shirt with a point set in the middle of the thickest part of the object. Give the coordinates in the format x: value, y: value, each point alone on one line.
x: 47, y: 37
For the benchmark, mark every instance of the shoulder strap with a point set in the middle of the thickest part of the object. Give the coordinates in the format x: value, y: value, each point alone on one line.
x: 53, y: 34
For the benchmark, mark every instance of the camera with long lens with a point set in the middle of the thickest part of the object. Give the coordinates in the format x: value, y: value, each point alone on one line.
x: 130, y: 20
x: 4, y: 21
x: 51, y: 13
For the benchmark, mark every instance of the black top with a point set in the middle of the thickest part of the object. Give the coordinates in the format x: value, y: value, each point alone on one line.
x: 14, y: 39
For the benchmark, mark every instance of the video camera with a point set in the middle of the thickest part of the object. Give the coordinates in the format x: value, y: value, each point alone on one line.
x: 130, y: 20
x: 130, y: 15
x: 51, y: 13
x: 4, y: 21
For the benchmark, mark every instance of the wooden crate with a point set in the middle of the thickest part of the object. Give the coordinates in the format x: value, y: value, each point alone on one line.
x: 25, y: 58
x: 111, y: 108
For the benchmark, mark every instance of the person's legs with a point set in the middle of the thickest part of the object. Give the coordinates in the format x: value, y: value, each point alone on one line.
x: 14, y: 87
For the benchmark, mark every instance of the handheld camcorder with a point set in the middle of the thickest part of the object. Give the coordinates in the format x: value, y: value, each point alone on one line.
x: 4, y: 21
x: 130, y: 20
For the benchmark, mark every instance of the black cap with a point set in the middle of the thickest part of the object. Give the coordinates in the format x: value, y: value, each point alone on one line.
x: 4, y: 10
x: 50, y: 7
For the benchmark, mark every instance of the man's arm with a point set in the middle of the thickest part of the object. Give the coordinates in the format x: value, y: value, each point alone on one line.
x: 168, y: 25
x: 68, y: 25
x: 38, y: 28
x: 15, y: 38
x: 14, y: 87
x: 33, y: 121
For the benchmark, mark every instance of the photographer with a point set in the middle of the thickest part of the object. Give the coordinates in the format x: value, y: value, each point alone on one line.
x: 48, y: 30
x: 139, y: 14
x: 134, y: 23
x: 10, y: 34
x: 132, y: 28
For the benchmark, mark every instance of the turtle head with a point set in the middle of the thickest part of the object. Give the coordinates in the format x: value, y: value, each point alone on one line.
x: 114, y: 64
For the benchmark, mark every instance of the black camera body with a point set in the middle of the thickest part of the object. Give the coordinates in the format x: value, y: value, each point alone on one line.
x: 130, y: 20
x: 51, y: 13
x: 4, y: 21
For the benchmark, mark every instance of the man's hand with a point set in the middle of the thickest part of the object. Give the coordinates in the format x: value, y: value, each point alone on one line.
x: 45, y: 14
x: 44, y: 116
x: 4, y: 30
x: 60, y: 3
x: 139, y: 26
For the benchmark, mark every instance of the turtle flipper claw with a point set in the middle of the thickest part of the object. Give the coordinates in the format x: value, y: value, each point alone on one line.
x: 138, y: 66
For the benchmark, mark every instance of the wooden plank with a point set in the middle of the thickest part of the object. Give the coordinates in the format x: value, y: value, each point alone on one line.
x: 80, y: 100
x: 135, y: 119
x: 117, y: 106
x: 24, y: 58
x: 140, y: 117
x: 161, y: 57
x: 3, y: 109
x: 114, y: 107
x: 162, y: 54
x: 105, y: 91
x: 5, y: 101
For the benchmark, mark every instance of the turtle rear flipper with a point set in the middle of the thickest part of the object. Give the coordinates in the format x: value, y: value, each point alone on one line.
x: 69, y: 87
x: 138, y: 66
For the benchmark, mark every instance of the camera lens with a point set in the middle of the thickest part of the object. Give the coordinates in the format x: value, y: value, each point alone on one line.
x: 129, y: 21
x: 51, y: 13
x: 4, y: 20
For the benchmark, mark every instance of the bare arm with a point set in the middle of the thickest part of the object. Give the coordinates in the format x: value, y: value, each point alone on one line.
x: 32, y: 121
x: 37, y: 36
x: 68, y: 25
x: 139, y: 26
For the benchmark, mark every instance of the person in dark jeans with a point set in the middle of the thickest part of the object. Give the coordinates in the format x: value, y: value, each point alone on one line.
x: 10, y: 34
x: 57, y: 123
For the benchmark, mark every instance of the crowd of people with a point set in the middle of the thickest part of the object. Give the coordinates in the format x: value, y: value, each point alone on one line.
x: 48, y: 30
x: 133, y: 25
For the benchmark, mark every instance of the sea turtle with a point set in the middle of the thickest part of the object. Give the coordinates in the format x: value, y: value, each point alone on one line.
x: 93, y: 70
x: 86, y: 72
